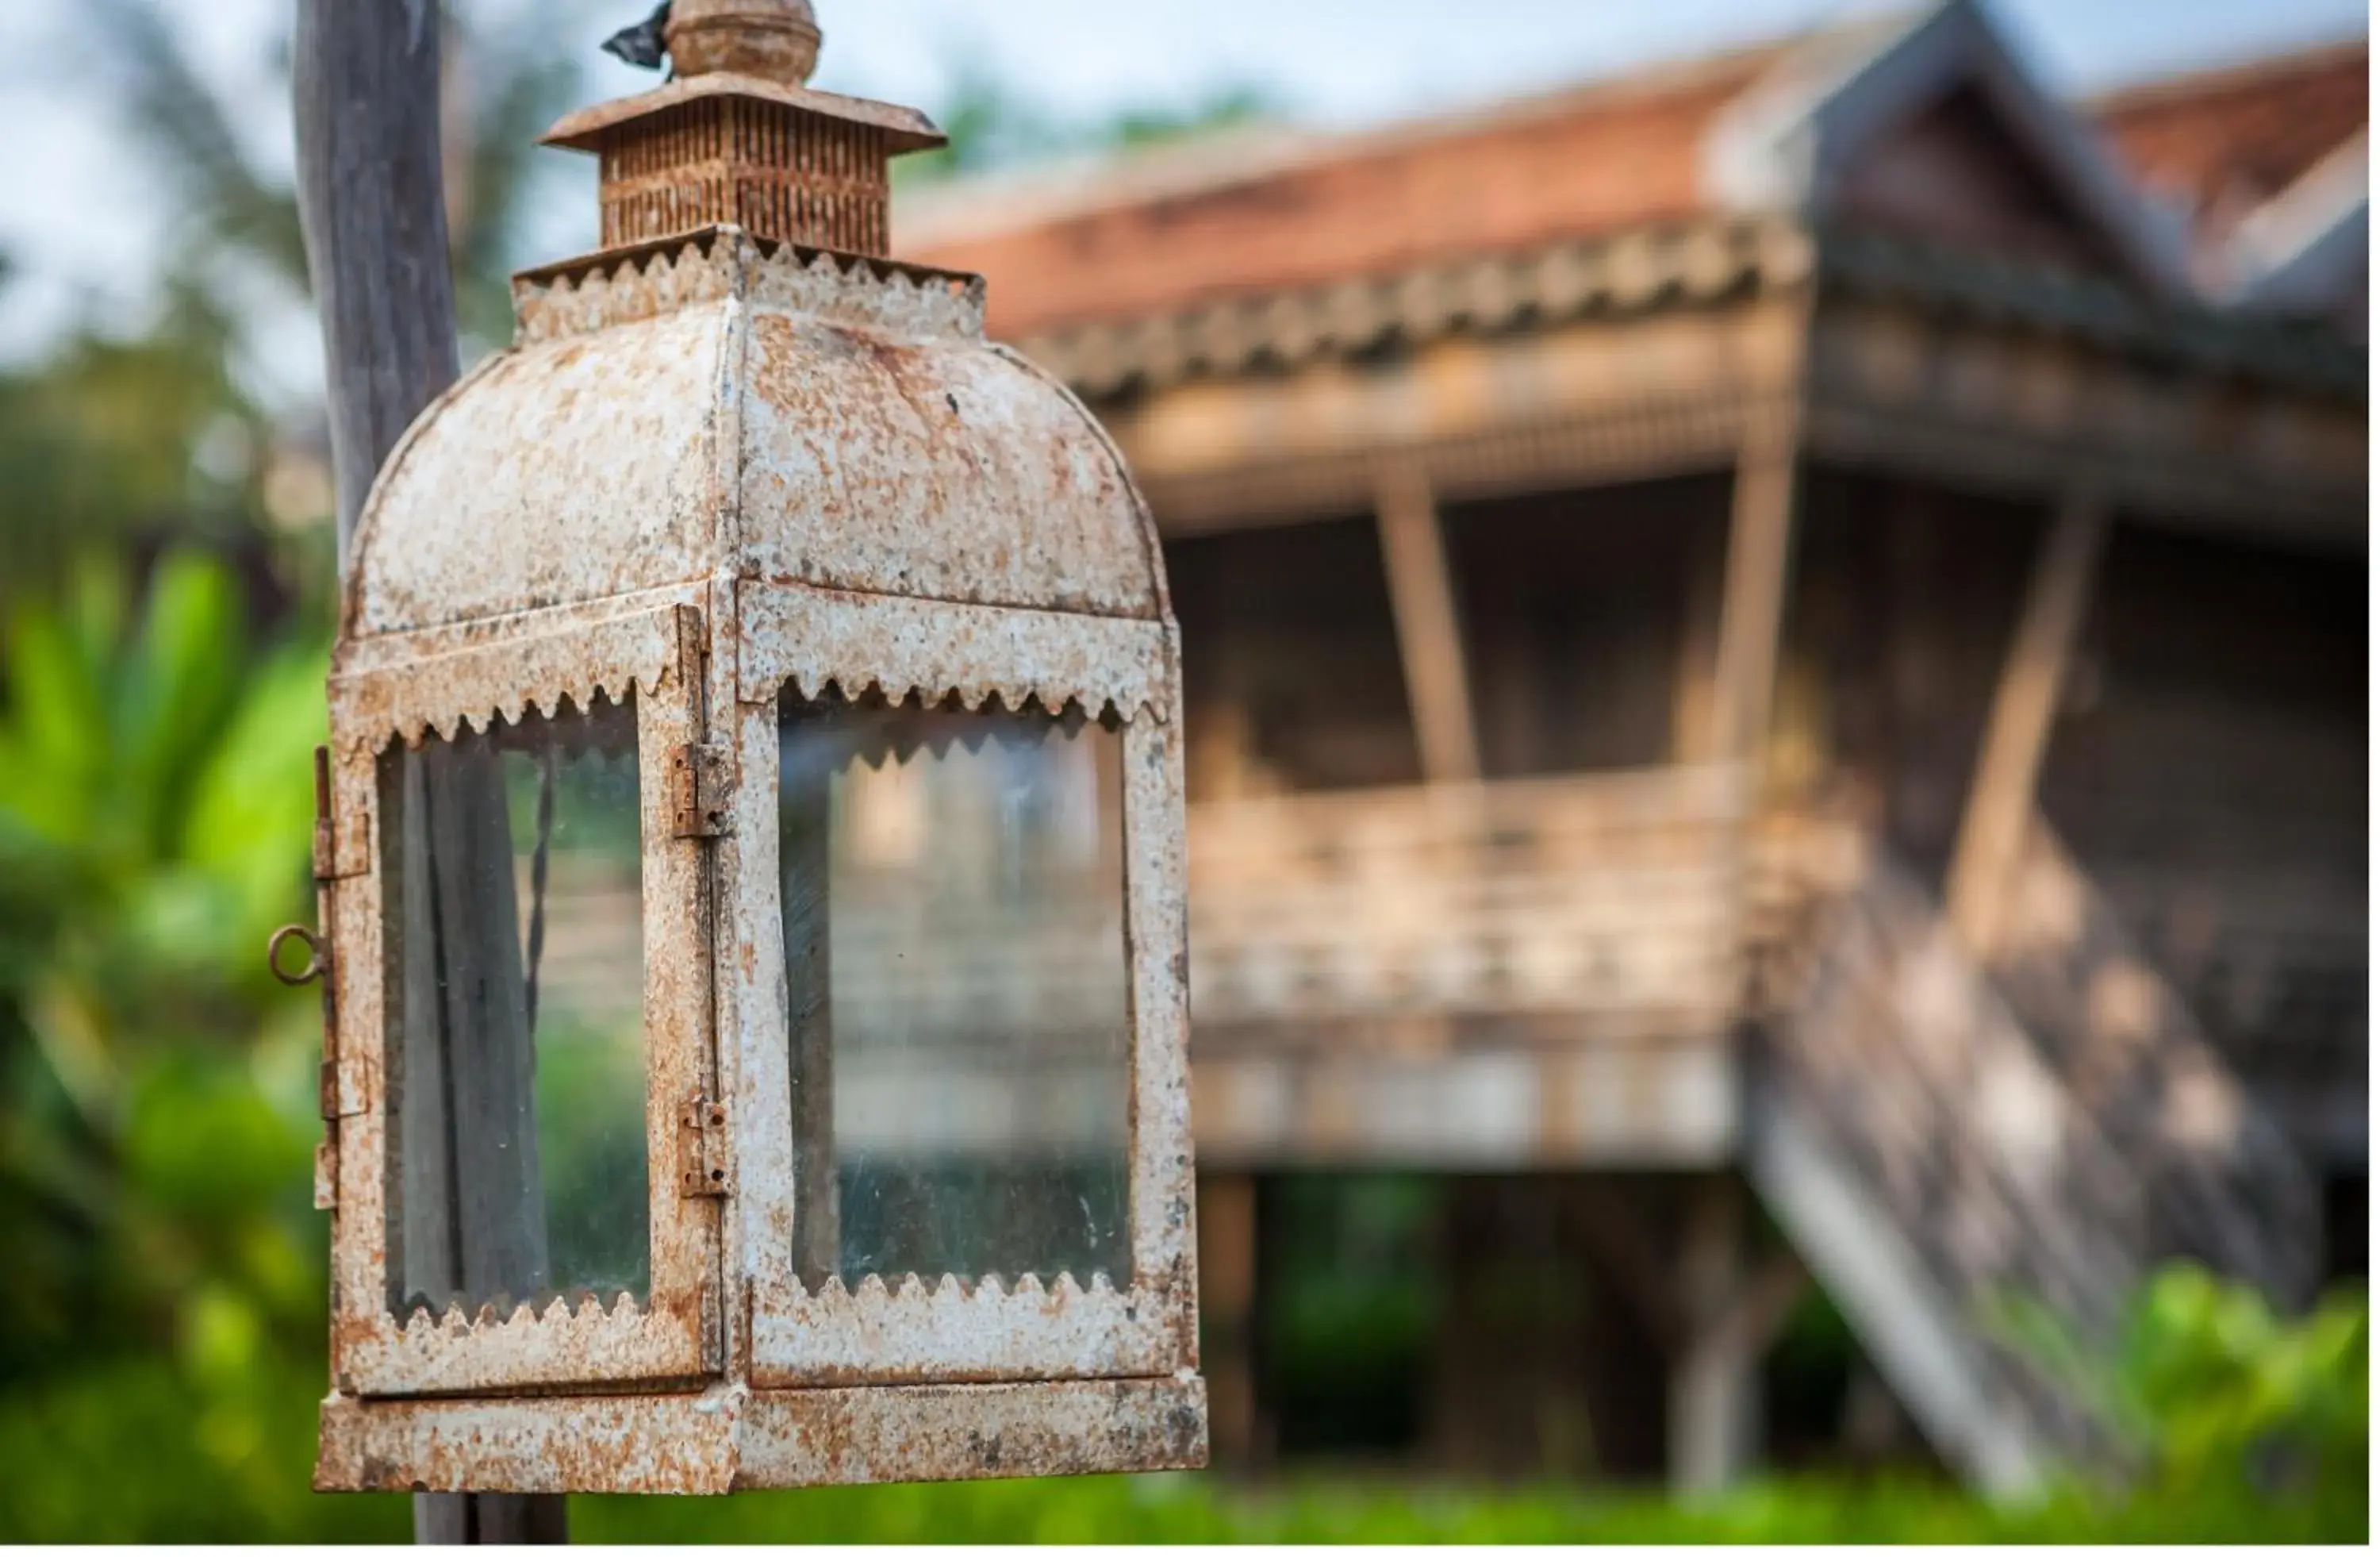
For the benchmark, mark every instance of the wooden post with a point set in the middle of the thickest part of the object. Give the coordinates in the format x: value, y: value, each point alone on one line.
x: 1227, y: 1289
x: 370, y: 196
x: 1691, y: 724
x: 1752, y: 605
x: 2000, y: 803
x: 1727, y: 1315
x: 1714, y: 1389
x: 1429, y: 632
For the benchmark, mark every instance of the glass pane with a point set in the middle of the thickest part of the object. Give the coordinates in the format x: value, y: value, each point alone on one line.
x: 515, y: 989
x: 953, y: 906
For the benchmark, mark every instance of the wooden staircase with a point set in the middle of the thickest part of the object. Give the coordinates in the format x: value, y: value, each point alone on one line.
x: 1941, y: 1133
x: 2225, y: 1186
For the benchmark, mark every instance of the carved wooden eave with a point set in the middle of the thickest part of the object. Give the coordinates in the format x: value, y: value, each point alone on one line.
x: 1639, y: 355
x: 2030, y: 381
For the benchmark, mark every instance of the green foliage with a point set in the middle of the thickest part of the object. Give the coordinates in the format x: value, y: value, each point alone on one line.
x: 1206, y: 1509
x: 2219, y: 1396
x: 117, y: 437
x: 2256, y: 1425
x: 165, y: 1267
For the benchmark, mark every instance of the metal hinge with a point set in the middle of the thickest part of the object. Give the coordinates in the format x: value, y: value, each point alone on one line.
x: 327, y: 867
x: 702, y: 1148
x: 702, y: 790
x: 317, y: 970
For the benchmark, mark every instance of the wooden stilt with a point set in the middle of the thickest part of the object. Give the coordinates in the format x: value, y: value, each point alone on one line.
x: 2000, y: 802
x: 1430, y: 634
x: 1752, y: 605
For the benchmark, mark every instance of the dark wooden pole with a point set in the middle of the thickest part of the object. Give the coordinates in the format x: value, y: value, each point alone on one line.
x: 371, y: 197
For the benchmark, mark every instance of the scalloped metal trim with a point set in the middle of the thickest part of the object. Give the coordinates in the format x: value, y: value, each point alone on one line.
x: 422, y: 1355
x: 953, y: 1332
x: 720, y: 264
x: 639, y: 284
x: 476, y: 687
x: 848, y: 290
x: 813, y: 639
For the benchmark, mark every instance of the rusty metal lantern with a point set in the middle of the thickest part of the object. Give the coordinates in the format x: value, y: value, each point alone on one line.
x: 752, y: 864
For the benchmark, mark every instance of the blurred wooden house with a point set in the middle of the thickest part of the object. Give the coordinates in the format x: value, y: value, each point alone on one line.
x: 1790, y: 623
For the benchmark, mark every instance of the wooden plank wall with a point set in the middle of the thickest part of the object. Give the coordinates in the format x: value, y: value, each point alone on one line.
x: 1291, y: 673
x: 1578, y: 604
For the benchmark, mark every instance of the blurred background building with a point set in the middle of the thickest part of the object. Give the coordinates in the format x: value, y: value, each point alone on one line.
x: 1776, y: 668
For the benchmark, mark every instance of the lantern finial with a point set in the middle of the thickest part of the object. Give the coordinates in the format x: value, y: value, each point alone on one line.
x: 740, y: 138
x: 771, y: 40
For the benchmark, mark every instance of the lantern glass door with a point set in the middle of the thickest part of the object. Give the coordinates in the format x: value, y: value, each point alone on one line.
x: 959, y: 1021
x: 515, y: 999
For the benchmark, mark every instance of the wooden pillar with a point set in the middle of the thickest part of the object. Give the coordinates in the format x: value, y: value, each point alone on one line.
x: 370, y: 201
x: 1429, y: 633
x: 1752, y: 602
x: 1691, y: 722
x: 1715, y: 1385
x: 2000, y: 802
x: 1729, y: 1309
x: 1227, y: 1289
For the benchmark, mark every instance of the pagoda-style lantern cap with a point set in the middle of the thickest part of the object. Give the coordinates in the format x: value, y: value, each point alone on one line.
x: 753, y: 865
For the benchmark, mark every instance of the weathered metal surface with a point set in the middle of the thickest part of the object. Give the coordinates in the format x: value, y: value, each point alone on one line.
x: 806, y: 1438
x: 712, y: 468
x: 773, y: 39
x: 815, y: 638
x: 714, y: 407
x: 701, y: 1148
x: 441, y: 691
x: 904, y: 128
x: 379, y: 1354
x: 676, y: 1333
x: 568, y: 471
x: 702, y: 786
x: 727, y: 1438
x: 1157, y: 941
x: 912, y: 1331
x: 562, y: 1443
x: 928, y: 465
x: 890, y: 1332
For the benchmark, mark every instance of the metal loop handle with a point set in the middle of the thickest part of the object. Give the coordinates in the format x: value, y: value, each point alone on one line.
x: 316, y: 962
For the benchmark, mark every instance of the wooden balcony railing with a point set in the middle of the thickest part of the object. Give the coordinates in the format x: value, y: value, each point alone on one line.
x: 1571, y: 907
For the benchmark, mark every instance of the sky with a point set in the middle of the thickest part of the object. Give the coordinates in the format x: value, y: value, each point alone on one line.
x: 83, y: 220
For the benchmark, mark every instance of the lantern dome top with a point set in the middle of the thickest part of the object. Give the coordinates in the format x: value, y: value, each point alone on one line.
x: 718, y: 407
x: 741, y: 386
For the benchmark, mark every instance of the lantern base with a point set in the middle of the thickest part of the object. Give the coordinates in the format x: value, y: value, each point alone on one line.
x: 730, y: 1438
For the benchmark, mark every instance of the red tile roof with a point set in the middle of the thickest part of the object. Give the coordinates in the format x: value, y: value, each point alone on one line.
x: 1595, y: 159
x: 1131, y: 241
x: 2227, y: 140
